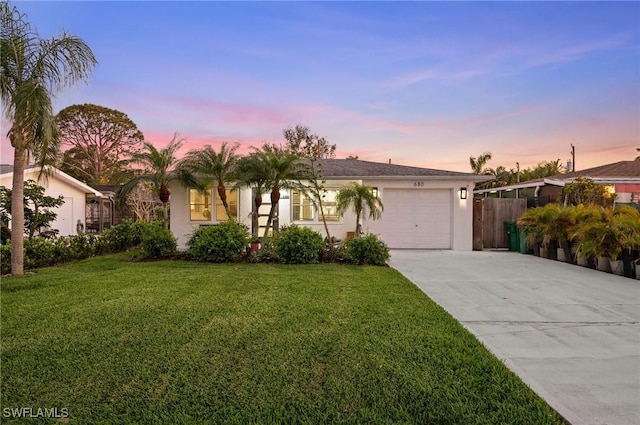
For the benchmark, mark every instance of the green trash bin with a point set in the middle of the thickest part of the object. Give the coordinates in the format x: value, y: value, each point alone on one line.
x: 512, y: 235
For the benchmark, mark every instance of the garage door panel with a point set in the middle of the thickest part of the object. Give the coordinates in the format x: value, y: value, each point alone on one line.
x: 417, y: 218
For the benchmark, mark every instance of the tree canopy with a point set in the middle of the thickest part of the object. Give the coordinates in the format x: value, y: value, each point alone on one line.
x: 101, y: 141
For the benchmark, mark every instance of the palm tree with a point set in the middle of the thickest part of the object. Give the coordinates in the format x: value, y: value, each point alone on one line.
x: 217, y: 165
x: 553, y: 168
x: 282, y: 170
x: 362, y: 199
x: 477, y: 164
x: 32, y: 71
x: 158, y: 168
x: 253, y: 172
x: 501, y: 176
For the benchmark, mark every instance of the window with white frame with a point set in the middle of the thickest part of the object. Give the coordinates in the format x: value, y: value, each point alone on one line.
x: 200, y: 205
x: 330, y: 206
x: 305, y: 209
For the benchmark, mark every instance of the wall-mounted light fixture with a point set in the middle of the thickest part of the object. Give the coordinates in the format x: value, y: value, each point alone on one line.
x: 463, y: 193
x: 375, y: 192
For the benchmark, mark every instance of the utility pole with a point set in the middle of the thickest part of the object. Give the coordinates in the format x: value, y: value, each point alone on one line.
x: 517, y: 172
x: 573, y: 157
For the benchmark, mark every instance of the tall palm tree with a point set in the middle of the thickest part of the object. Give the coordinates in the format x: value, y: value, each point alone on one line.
x: 32, y: 71
x: 219, y: 166
x: 553, y: 168
x: 159, y: 164
x: 255, y: 173
x: 284, y: 171
x: 477, y: 164
x: 362, y: 199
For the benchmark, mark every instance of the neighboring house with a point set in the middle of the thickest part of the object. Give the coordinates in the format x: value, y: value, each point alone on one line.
x: 423, y: 208
x: 79, y: 199
x: 621, y: 178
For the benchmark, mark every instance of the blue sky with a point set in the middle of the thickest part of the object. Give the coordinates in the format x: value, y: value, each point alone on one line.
x: 420, y: 83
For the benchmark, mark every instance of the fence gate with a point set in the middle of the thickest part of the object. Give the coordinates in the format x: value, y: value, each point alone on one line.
x: 489, y: 215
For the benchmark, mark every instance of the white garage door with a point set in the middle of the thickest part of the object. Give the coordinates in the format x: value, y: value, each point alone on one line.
x: 419, y: 218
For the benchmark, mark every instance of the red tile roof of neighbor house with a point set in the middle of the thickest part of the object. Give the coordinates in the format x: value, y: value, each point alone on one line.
x: 355, y: 168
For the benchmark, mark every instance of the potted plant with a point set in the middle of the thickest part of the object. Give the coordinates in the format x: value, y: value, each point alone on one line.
x: 255, y: 244
x: 583, y: 250
x: 530, y: 224
x: 625, y: 222
x: 606, y: 236
x: 549, y: 227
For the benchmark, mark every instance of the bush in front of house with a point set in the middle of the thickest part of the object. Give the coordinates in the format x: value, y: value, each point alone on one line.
x: 121, y: 237
x: 80, y: 246
x: 367, y: 249
x: 219, y: 243
x: 5, y: 259
x: 157, y: 242
x: 299, y: 245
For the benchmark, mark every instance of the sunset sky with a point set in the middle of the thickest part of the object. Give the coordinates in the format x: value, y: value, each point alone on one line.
x: 421, y: 83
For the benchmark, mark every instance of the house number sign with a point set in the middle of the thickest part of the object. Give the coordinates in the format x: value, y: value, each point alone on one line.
x: 418, y: 184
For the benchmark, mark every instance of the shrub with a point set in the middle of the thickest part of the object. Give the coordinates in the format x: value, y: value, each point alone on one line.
x: 219, y: 243
x: 80, y: 246
x: 39, y: 252
x: 366, y: 250
x: 5, y: 259
x: 121, y: 237
x: 157, y: 242
x: 299, y: 245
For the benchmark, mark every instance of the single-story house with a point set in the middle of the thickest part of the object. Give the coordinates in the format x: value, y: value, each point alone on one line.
x: 423, y: 208
x: 82, y: 203
x: 621, y: 178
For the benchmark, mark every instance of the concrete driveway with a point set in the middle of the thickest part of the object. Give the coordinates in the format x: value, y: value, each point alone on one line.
x: 572, y: 334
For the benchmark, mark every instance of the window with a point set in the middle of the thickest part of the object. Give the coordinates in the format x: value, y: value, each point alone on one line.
x: 329, y: 205
x: 232, y: 201
x: 304, y: 208
x: 199, y: 205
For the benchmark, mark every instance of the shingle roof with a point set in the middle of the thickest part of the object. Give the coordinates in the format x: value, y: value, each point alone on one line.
x: 617, y: 169
x: 352, y: 168
x: 8, y: 168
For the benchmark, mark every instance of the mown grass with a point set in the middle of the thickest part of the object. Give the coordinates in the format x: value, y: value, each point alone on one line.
x: 183, y: 343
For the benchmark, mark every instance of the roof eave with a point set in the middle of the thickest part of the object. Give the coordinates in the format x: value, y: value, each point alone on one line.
x: 459, y: 178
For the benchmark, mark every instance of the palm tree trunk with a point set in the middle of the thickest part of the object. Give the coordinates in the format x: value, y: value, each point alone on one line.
x: 275, y: 198
x: 165, y: 214
x: 326, y: 227
x: 17, y: 213
x: 222, y: 193
x: 255, y: 224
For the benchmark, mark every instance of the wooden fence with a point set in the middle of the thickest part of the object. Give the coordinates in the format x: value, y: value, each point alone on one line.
x: 489, y: 215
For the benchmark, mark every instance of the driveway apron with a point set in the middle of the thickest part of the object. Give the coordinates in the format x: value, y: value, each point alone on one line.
x: 572, y: 334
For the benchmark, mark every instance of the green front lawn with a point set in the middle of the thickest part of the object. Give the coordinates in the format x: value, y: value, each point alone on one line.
x: 113, y: 341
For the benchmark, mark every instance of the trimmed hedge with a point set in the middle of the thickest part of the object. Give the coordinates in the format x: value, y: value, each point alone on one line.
x: 299, y: 245
x: 40, y: 252
x: 220, y: 243
x: 367, y: 249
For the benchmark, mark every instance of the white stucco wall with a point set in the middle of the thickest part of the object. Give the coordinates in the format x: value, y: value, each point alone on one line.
x: 461, y: 214
x: 74, y: 198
